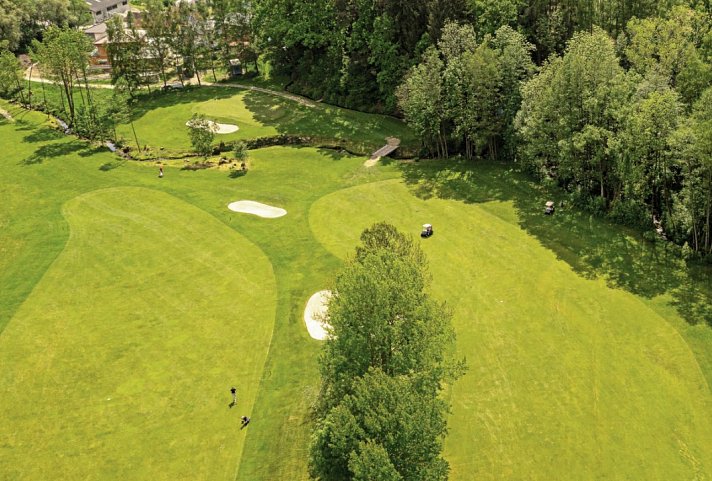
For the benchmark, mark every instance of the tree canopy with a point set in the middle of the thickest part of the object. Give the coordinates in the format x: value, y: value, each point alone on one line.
x: 389, y: 353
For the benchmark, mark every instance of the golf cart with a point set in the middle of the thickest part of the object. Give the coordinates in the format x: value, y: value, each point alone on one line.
x: 549, y: 208
x: 427, y: 230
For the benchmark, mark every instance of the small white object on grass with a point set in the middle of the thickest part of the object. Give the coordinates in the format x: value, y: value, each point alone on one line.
x: 256, y: 208
x: 314, y: 315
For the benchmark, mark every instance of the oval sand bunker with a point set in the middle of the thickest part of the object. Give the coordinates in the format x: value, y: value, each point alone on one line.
x: 220, y: 128
x: 315, y: 312
x: 256, y: 208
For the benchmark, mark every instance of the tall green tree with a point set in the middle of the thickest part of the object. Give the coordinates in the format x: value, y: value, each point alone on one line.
x: 64, y: 57
x: 693, y: 205
x: 381, y: 415
x: 22, y: 21
x: 490, y: 15
x: 648, y: 166
x: 421, y: 98
x: 126, y: 49
x: 156, y: 22
x: 10, y: 73
x: 386, y: 429
x: 382, y: 318
x: 515, y: 66
x: 186, y: 38
x: 201, y: 132
x: 676, y: 46
x: 570, y: 114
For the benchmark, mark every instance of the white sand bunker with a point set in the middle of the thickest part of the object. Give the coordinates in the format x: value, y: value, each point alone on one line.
x: 314, y: 315
x: 252, y: 207
x: 220, y: 128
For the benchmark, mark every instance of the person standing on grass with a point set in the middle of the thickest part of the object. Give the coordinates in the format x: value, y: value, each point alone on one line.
x: 233, y: 391
x: 160, y: 171
x: 245, y: 422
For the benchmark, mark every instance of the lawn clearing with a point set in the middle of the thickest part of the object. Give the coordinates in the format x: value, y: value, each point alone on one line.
x: 568, y: 378
x: 160, y: 119
x: 131, y: 340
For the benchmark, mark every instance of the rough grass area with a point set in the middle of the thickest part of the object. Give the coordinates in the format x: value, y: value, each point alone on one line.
x: 590, y: 351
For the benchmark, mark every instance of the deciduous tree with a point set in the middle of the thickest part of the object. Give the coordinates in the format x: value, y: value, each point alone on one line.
x: 202, y: 133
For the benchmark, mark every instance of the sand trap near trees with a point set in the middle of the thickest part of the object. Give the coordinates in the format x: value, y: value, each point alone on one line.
x: 256, y: 208
x: 220, y: 128
x: 314, y: 315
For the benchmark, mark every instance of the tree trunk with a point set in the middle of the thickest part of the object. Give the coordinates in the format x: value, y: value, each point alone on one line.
x: 180, y: 74
x: 70, y: 98
x: 163, y: 73
x: 133, y: 129
x: 61, y: 99
x: 44, y: 98
x: 29, y: 86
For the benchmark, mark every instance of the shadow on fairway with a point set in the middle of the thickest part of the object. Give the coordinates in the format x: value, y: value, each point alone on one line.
x: 593, y: 247
x: 106, y: 167
x: 53, y: 150
x: 325, y: 123
x: 43, y: 135
x: 160, y: 99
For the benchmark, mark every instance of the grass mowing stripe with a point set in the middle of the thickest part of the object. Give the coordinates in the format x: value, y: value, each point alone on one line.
x: 568, y: 378
x: 133, y: 338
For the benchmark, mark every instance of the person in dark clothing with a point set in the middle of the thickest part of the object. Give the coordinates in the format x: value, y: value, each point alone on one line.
x: 233, y: 391
x: 245, y: 421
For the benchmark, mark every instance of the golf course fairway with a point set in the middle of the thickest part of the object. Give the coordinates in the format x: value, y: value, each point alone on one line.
x: 568, y: 378
x: 110, y: 372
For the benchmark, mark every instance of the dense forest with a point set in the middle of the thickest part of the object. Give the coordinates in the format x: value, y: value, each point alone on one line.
x: 355, y: 52
x: 609, y: 100
x: 22, y: 21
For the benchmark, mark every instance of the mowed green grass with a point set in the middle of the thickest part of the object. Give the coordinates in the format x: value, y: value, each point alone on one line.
x: 44, y: 175
x: 568, y: 378
x: 160, y: 119
x: 118, y: 364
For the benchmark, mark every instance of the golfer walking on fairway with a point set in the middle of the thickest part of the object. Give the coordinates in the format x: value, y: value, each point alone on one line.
x: 233, y: 391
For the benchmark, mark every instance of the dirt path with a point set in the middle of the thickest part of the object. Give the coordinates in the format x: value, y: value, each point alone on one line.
x: 276, y: 93
x: 36, y: 78
x: 392, y: 144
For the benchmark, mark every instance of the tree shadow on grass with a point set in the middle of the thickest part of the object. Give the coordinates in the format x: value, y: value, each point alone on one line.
x: 114, y: 164
x: 159, y: 99
x: 89, y: 150
x: 52, y: 150
x: 360, y: 132
x: 43, y: 134
x: 593, y: 247
x: 335, y: 153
